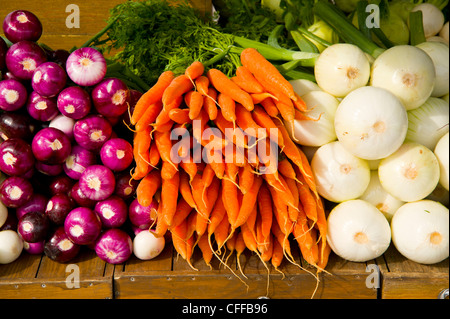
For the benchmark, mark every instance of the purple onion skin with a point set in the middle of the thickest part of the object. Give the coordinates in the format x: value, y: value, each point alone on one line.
x: 23, y: 58
x: 116, y: 154
x: 51, y: 146
x: 22, y: 25
x: 82, y: 225
x: 3, y: 49
x: 125, y: 186
x: 58, y: 207
x: 77, y: 161
x: 60, y: 248
x: 97, y: 182
x: 33, y: 227
x: 18, y: 125
x: 86, y: 66
x: 63, y: 123
x: 92, y: 132
x: 113, y: 211
x: 114, y: 246
x: 74, y: 102
x: 34, y: 248
x: 110, y: 97
x: 49, y: 79
x: 60, y: 56
x: 41, y: 108
x: 80, y: 198
x: 37, y: 203
x: 13, y: 95
x: 16, y: 157
x: 15, y: 191
x: 49, y: 169
x: 60, y: 184
x: 139, y: 215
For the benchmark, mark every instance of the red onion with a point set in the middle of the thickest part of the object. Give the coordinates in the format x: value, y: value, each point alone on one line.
x: 60, y: 184
x: 60, y: 248
x: 80, y: 198
x: 21, y: 25
x: 82, y: 225
x: 97, y: 182
x: 3, y: 49
x: 33, y: 227
x: 86, y: 66
x: 37, y: 203
x: 49, y: 169
x: 51, y: 146
x: 112, y: 211
x: 16, y: 157
x: 64, y: 124
x: 18, y: 125
x: 139, y: 215
x: 48, y: 79
x: 58, y: 207
x: 78, y: 160
x: 110, y: 97
x: 116, y: 154
x: 13, y: 95
x: 92, y: 132
x: 125, y: 185
x: 74, y: 102
x: 23, y: 58
x: 15, y: 191
x: 34, y: 248
x: 114, y: 246
x: 41, y: 108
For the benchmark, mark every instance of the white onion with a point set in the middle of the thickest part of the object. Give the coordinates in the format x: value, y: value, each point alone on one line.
x: 380, y: 198
x: 444, y: 33
x: 371, y: 123
x: 357, y: 231
x: 420, y: 231
x: 302, y: 86
x: 442, y: 154
x: 433, y: 18
x: 147, y: 246
x: 446, y: 98
x: 321, y: 107
x: 439, y: 54
x: 428, y: 123
x: 11, y: 246
x: 3, y: 213
x: 341, y: 68
x: 406, y: 71
x: 339, y: 174
x: 411, y: 173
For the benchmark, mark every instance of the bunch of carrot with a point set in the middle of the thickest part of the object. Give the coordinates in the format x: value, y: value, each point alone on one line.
x: 228, y: 202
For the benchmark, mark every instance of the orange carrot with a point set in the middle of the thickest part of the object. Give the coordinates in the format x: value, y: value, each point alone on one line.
x: 230, y: 199
x: 293, y: 213
x: 194, y: 70
x: 259, y: 97
x: 194, y: 101
x: 228, y: 107
x: 164, y: 145
x: 189, y: 167
x: 209, y: 103
x: 263, y: 119
x: 197, y: 193
x: 221, y: 233
x: 248, y: 203
x: 300, y: 104
x: 141, y: 147
x: 180, y: 116
x: 154, y: 156
x: 265, y: 209
x: 246, y: 178
x: 153, y: 95
x: 147, y: 188
x: 247, y: 81
x: 217, y: 214
x: 149, y: 116
x: 169, y: 194
x: 245, y: 121
x: 251, y: 220
x: 180, y: 85
x: 183, y: 211
x: 270, y: 107
x: 307, y: 199
x: 161, y: 226
x: 202, y: 85
x: 168, y: 170
x: 204, y: 246
x: 179, y: 238
x: 224, y: 85
x: 233, y: 133
x: 261, y: 68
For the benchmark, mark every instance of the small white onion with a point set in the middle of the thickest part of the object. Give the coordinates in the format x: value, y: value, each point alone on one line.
x: 406, y: 71
x: 442, y: 154
x: 3, y: 213
x: 339, y: 175
x: 357, y: 231
x: 147, y: 246
x: 11, y: 246
x: 444, y: 33
x: 439, y: 54
x: 433, y: 18
x: 380, y: 198
x: 302, y: 86
x: 411, y: 173
x: 420, y: 231
x: 341, y: 68
x: 319, y: 131
x: 371, y: 123
x: 428, y: 123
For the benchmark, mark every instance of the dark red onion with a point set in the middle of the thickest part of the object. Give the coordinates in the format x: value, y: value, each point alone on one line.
x: 60, y: 248
x: 74, y: 102
x: 49, y: 169
x: 23, y: 58
x: 34, y: 248
x: 18, y: 125
x: 13, y: 95
x: 58, y: 207
x: 48, y: 79
x: 33, y: 227
x: 37, y: 203
x: 41, y: 108
x: 15, y: 191
x: 114, y: 246
x: 116, y: 154
x: 60, y: 184
x: 82, y: 225
x: 110, y: 97
x: 139, y: 215
x: 51, y: 146
x: 80, y: 198
x: 125, y: 185
x: 78, y: 160
x: 11, y: 221
x: 3, y: 49
x: 92, y: 132
x: 60, y: 56
x: 97, y: 182
x: 21, y: 25
x: 113, y: 211
x: 16, y: 157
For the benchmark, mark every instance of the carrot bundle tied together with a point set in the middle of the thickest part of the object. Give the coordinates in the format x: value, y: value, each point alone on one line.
x: 212, y: 143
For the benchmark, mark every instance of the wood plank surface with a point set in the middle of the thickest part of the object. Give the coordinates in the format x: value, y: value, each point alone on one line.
x: 61, y: 34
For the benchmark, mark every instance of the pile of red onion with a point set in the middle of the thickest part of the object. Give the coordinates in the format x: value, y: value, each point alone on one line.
x: 65, y: 152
